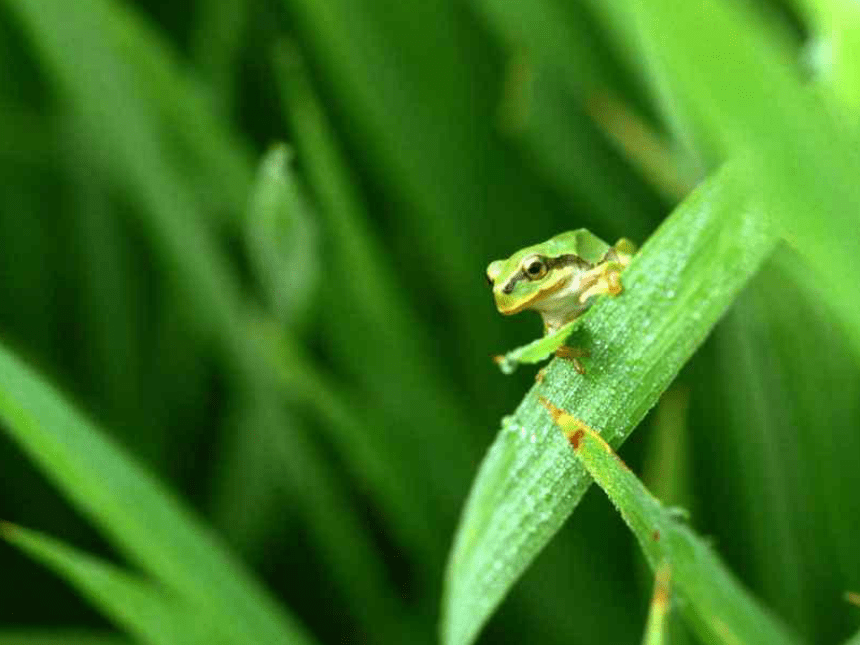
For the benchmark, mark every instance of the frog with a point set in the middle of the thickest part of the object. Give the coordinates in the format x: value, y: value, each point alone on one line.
x: 560, y: 279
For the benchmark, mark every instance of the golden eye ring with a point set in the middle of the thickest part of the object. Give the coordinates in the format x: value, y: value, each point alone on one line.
x: 534, y: 267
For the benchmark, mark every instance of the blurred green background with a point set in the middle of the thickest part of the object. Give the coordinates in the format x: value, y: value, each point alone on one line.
x: 248, y: 239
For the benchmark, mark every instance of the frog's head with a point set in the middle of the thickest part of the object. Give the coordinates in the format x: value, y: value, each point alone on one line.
x: 541, y: 277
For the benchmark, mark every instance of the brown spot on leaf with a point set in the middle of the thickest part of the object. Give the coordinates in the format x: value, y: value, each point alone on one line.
x: 853, y: 597
x: 576, y: 438
x: 539, y: 377
x: 655, y: 536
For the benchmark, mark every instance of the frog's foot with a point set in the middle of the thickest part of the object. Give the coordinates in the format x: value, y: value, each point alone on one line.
x: 623, y: 251
x: 573, y: 354
x: 605, y: 278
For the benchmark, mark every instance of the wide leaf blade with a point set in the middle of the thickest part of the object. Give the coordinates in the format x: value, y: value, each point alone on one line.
x: 135, y: 605
x: 59, y: 637
x: 675, y: 290
x: 140, y: 516
x: 748, y: 93
x: 717, y: 605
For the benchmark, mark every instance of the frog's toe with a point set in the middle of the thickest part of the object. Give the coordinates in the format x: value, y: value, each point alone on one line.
x: 598, y: 289
x: 613, y: 283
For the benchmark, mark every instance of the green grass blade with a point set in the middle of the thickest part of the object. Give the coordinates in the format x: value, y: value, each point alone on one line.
x: 675, y: 290
x: 22, y: 229
x: 341, y: 206
x: 375, y: 301
x: 558, y: 68
x: 217, y: 161
x: 409, y: 121
x: 314, y: 493
x: 129, y: 141
x: 134, y: 605
x: 797, y: 543
x: 667, y: 469
x: 718, y: 606
x: 657, y: 626
x: 131, y: 133
x: 347, y: 424
x: 359, y: 569
x: 668, y: 169
x: 282, y: 239
x: 836, y: 27
x: 424, y: 137
x: 28, y: 139
x: 249, y: 477
x: 220, y: 26
x: 59, y: 637
x: 569, y: 596
x: 854, y: 599
x: 770, y: 470
x: 140, y: 516
x: 113, y: 347
x: 401, y: 119
x: 747, y: 91
x: 561, y: 39
x: 555, y: 131
x: 621, y: 27
x: 128, y: 82
x: 274, y: 462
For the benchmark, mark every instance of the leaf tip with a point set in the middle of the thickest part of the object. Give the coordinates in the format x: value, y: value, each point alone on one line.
x: 555, y: 412
x: 574, y: 429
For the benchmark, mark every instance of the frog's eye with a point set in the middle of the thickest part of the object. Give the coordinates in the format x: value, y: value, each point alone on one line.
x: 534, y: 267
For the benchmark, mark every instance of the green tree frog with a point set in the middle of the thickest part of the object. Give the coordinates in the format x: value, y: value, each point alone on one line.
x: 559, y: 278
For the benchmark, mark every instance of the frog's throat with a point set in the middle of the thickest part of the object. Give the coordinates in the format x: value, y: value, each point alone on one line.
x: 539, y: 294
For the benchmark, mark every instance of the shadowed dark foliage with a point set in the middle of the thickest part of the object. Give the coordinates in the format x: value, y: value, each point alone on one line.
x: 246, y: 382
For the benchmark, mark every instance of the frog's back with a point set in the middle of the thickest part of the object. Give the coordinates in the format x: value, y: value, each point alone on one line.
x: 583, y: 243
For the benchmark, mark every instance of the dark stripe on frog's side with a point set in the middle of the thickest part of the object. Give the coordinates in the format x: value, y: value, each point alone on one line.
x: 558, y: 262
x: 568, y: 260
